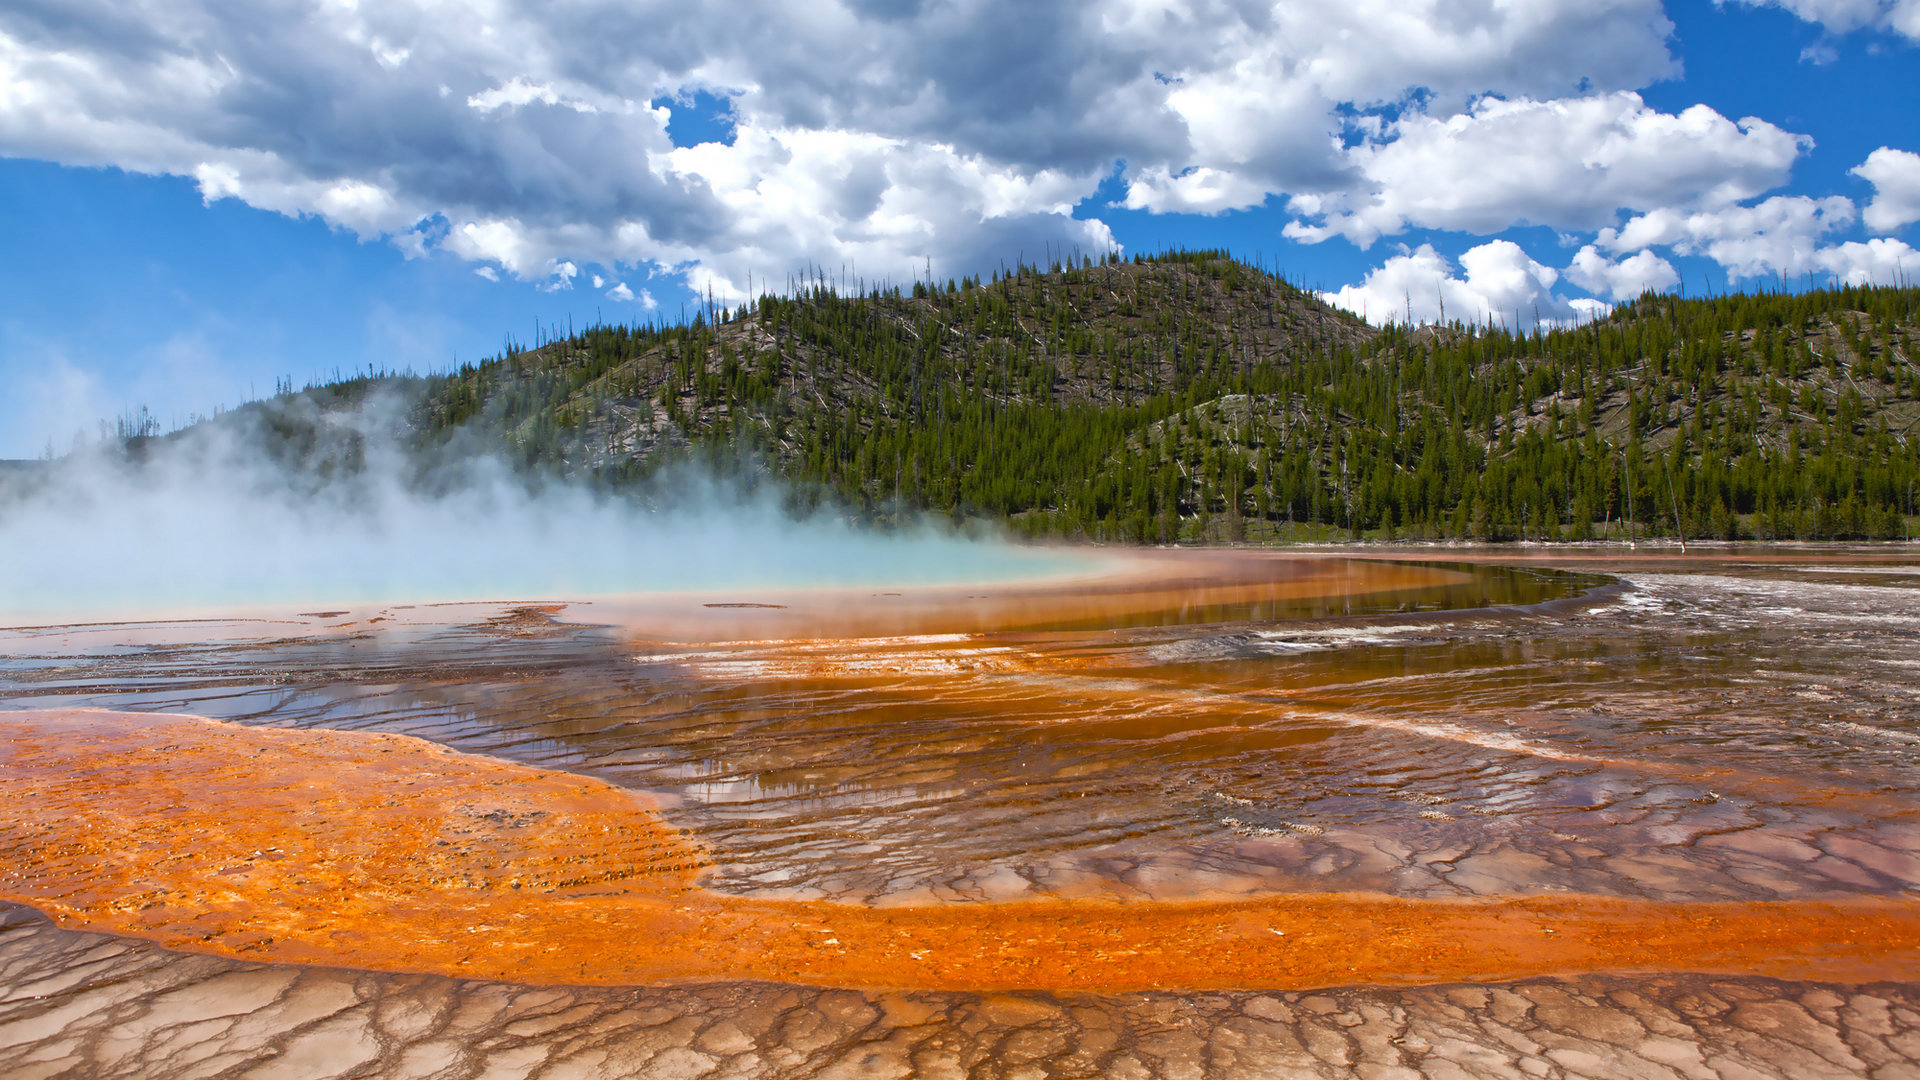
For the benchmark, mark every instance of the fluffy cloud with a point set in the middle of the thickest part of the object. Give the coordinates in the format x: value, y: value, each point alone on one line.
x: 1502, y: 285
x: 1569, y: 164
x: 893, y: 138
x: 1780, y: 235
x: 523, y: 135
x: 1623, y: 280
x: 1498, y: 282
x: 864, y: 198
x: 1252, y: 93
x: 1196, y: 190
x: 1876, y: 262
x: 1895, y: 176
x: 1844, y: 16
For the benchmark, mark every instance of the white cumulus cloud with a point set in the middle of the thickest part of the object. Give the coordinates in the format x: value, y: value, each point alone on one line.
x: 1895, y: 176
x: 1625, y: 279
x: 894, y: 139
x: 1845, y: 16
x: 624, y: 293
x: 1568, y: 164
x: 1784, y: 236
x: 522, y: 135
x: 1780, y: 235
x: 1251, y: 87
x: 1501, y: 285
x: 1880, y: 261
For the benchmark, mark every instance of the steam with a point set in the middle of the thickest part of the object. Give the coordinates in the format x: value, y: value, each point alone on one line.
x: 295, y: 504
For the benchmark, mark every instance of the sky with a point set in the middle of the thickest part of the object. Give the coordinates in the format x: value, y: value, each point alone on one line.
x: 200, y: 198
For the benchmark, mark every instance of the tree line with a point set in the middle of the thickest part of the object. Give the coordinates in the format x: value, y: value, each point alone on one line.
x: 1190, y: 397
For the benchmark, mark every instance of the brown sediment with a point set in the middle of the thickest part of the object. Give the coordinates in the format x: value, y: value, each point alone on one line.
x: 386, y: 852
x: 521, y: 620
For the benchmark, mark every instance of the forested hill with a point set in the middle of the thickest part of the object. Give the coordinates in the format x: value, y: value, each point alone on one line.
x: 1190, y: 397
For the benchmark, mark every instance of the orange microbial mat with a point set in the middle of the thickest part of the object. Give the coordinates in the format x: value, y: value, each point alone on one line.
x: 387, y: 852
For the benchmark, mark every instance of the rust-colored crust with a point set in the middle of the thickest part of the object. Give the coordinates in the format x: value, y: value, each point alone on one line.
x: 387, y: 852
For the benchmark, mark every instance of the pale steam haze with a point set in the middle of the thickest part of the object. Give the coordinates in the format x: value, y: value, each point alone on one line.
x: 204, y: 526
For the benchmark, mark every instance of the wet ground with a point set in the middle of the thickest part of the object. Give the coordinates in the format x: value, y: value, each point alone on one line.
x: 79, y: 1004
x: 1735, y: 728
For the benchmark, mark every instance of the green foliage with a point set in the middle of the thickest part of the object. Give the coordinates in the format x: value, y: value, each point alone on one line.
x: 1190, y: 397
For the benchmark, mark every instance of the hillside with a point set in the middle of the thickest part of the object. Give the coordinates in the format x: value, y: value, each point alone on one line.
x: 1190, y: 397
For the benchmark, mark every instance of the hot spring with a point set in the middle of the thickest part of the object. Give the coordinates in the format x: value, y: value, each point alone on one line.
x: 1073, y: 812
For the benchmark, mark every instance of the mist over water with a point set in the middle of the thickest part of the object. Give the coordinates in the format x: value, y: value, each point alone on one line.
x: 232, y: 516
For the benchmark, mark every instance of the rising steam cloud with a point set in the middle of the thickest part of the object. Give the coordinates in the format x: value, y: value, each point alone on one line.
x: 240, y: 514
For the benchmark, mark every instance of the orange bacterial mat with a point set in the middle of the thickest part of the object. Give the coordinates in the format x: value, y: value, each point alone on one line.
x: 390, y: 853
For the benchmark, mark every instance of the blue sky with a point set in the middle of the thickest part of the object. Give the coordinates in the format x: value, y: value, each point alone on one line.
x: 199, y: 197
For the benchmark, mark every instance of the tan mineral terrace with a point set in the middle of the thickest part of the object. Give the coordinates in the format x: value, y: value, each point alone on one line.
x: 385, y: 852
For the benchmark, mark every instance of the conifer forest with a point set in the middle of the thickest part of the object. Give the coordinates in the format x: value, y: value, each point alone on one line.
x: 1188, y: 397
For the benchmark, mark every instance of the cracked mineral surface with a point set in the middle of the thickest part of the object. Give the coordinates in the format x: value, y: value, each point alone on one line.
x: 1522, y: 822
x: 82, y: 1004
